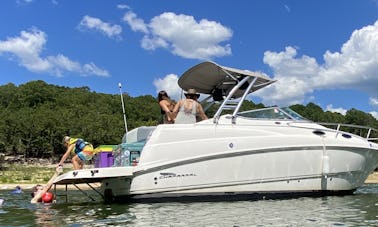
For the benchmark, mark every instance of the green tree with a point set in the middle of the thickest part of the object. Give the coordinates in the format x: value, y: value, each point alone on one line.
x: 357, y: 117
x: 35, y: 116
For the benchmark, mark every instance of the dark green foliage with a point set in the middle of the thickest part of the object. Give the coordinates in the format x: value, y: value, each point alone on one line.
x: 352, y: 117
x: 315, y: 113
x: 35, y: 116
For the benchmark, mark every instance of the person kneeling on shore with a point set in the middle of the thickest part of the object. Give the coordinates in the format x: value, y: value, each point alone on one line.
x: 41, y: 194
x: 83, y: 151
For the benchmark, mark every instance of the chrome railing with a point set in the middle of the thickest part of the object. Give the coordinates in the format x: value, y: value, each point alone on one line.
x: 364, y: 131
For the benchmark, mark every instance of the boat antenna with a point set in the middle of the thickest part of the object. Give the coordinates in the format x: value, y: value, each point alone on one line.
x: 123, y: 106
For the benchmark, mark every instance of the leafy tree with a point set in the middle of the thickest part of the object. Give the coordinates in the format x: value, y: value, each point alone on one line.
x: 357, y: 117
x: 313, y: 112
x: 8, y: 95
x: 36, y: 93
x: 35, y: 116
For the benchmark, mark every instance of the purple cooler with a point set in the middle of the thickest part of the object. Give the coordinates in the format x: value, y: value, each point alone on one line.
x: 104, y: 156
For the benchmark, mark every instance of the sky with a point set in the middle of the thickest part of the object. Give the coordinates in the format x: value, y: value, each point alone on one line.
x: 319, y: 51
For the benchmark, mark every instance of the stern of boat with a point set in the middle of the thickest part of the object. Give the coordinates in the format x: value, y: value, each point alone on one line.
x: 115, y: 188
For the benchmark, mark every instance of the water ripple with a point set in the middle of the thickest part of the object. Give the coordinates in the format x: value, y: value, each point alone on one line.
x: 359, y: 209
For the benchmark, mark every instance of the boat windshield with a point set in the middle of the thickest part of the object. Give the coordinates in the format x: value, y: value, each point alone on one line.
x: 272, y: 113
x: 294, y: 115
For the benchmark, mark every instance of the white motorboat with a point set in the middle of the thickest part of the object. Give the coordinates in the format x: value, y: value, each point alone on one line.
x: 261, y: 153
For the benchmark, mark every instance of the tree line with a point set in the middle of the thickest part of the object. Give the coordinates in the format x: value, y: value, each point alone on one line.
x: 35, y: 116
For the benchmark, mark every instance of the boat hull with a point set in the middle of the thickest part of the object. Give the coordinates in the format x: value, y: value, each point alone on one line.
x: 266, y: 158
x: 254, y: 174
x: 265, y: 171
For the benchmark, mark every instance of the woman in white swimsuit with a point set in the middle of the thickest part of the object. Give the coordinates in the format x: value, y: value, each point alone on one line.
x: 188, y: 109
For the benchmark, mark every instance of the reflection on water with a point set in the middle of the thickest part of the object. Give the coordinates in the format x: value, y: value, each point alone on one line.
x: 360, y: 209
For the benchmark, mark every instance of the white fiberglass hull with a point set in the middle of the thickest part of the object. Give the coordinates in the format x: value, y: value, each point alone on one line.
x: 290, y: 160
x: 292, y: 171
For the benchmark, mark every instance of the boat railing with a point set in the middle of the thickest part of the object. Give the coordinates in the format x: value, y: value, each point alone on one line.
x: 363, y: 131
x: 236, y: 110
x: 225, y: 103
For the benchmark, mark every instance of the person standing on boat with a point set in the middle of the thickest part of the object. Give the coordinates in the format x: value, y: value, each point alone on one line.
x: 166, y: 107
x: 187, y: 109
x: 82, y: 151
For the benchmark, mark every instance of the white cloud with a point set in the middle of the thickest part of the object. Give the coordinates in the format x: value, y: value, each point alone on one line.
x: 336, y: 110
x: 61, y: 63
x: 357, y: 62
x: 373, y: 101
x: 354, y: 67
x: 293, y: 75
x: 112, y: 31
x: 122, y: 6
x: 169, y: 84
x: 27, y: 48
x: 136, y: 24
x: 183, y: 35
x: 21, y: 2
x: 153, y: 43
x: 92, y: 69
x: 374, y: 114
x: 287, y: 8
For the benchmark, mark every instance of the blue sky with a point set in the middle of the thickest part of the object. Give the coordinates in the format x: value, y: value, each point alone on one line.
x: 320, y: 51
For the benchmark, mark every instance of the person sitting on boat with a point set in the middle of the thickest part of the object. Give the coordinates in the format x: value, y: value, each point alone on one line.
x: 82, y: 151
x: 41, y: 194
x: 188, y: 108
x: 166, y: 107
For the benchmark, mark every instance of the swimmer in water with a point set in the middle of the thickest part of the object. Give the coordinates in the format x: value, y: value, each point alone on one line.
x: 41, y: 193
x: 17, y: 190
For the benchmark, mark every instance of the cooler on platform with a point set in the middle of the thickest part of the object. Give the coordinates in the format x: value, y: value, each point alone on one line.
x: 104, y: 156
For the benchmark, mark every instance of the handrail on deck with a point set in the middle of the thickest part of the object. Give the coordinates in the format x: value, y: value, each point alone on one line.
x: 339, y: 125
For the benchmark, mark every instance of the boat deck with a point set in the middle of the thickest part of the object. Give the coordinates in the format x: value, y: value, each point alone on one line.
x: 88, y: 177
x: 93, y: 175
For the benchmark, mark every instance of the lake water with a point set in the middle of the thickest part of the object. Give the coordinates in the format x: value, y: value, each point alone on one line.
x: 359, y: 209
